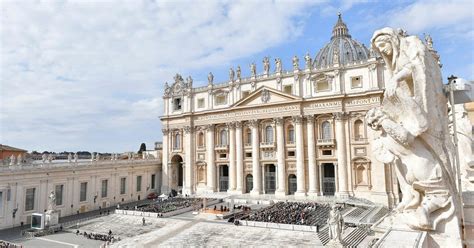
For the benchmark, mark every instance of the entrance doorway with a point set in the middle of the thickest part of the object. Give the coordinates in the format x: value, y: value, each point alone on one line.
x: 329, y: 182
x: 270, y: 183
x: 248, y: 183
x: 177, y: 172
x: 223, y: 178
x: 292, y: 184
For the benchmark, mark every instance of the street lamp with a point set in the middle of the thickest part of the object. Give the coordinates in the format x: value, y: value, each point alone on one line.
x: 451, y: 88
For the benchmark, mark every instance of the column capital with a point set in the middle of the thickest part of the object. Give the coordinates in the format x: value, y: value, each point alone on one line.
x: 297, y: 119
x: 310, y: 118
x: 230, y: 125
x: 187, y: 129
x: 253, y: 123
x: 339, y: 116
x: 209, y: 127
x: 278, y: 120
x: 165, y: 131
x: 238, y: 124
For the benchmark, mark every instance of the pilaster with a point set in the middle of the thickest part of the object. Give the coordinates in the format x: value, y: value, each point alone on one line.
x: 281, y: 168
x: 257, y: 178
x: 300, y: 172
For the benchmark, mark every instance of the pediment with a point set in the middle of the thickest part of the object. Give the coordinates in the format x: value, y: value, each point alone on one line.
x: 265, y: 95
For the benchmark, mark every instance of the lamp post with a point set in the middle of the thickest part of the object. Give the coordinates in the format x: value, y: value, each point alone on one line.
x: 451, y: 87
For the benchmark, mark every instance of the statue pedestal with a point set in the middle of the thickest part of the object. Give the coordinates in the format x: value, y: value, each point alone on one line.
x: 51, y: 218
x: 335, y: 244
x: 393, y: 229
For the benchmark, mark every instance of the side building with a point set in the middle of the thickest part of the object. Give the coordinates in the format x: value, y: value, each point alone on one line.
x: 78, y: 186
x: 298, y: 132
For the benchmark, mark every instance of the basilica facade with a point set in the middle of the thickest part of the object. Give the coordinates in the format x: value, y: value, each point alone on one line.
x: 300, y: 132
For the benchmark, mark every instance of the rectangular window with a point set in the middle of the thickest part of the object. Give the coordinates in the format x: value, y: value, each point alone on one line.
x: 223, y: 155
x: 139, y: 183
x: 221, y: 99
x: 59, y: 189
x: 291, y: 153
x: 201, y: 103
x: 177, y: 104
x: 322, y: 86
x: 288, y: 89
x: 83, y: 192
x: 245, y: 94
x: 327, y: 152
x: 248, y: 154
x: 30, y: 199
x: 104, y: 188
x: 1, y: 203
x: 123, y: 182
x: 356, y: 82
x: 153, y: 181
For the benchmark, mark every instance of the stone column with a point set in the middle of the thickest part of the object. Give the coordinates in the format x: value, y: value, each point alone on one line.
x: 232, y: 170
x: 211, y: 168
x: 166, y: 145
x: 257, y: 178
x: 312, y: 171
x: 280, y: 154
x: 188, y: 160
x: 300, y: 172
x: 341, y: 154
x: 239, y: 157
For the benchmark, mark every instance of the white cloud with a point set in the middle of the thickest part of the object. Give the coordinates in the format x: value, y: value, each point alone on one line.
x: 456, y: 16
x: 89, y: 75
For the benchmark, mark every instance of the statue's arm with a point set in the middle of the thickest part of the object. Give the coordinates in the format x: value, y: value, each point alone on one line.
x: 397, y: 132
x: 402, y: 75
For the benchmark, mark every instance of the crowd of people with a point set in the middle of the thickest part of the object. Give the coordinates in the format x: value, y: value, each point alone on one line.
x: 170, y: 205
x: 6, y: 244
x: 296, y: 213
x: 97, y: 236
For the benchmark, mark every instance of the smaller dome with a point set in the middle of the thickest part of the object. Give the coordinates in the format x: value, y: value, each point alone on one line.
x: 342, y: 49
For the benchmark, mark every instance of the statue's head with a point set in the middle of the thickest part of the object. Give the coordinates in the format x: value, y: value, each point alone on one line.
x: 386, y: 41
x: 383, y: 44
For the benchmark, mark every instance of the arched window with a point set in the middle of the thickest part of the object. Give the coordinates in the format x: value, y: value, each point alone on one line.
x: 223, y: 137
x: 326, y: 130
x: 177, y: 141
x: 269, y: 134
x: 358, y: 130
x: 249, y: 136
x: 200, y: 139
x: 291, y: 134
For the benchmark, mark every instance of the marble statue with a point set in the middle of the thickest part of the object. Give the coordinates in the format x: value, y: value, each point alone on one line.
x: 266, y: 65
x: 189, y: 82
x: 210, y: 78
x: 307, y: 60
x: 231, y: 74
x: 44, y: 157
x: 69, y: 157
x: 278, y: 65
x: 50, y: 158
x: 19, y: 159
x: 12, y: 159
x: 75, y: 157
x: 51, y: 200
x: 253, y: 70
x: 239, y: 72
x: 414, y: 132
x: 429, y: 41
x: 97, y: 157
x: 336, y: 224
x: 296, y: 63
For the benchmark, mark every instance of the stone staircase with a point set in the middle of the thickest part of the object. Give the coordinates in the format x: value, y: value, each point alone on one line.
x: 355, y: 237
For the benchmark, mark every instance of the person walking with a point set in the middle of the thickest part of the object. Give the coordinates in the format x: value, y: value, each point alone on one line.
x: 143, y: 220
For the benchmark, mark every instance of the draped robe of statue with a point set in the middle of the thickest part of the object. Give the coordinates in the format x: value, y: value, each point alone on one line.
x: 414, y: 133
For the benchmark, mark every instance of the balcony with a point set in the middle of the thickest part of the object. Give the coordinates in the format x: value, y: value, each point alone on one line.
x: 248, y: 145
x: 359, y: 140
x: 326, y: 142
x: 221, y: 147
x: 176, y: 149
x: 267, y: 145
x: 201, y: 147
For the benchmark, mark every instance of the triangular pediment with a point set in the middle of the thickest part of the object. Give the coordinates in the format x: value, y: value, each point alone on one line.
x: 265, y: 95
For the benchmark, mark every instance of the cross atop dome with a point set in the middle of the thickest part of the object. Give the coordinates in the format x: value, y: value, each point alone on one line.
x: 340, y: 29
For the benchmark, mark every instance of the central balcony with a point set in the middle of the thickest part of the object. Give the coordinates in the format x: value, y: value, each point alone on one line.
x: 326, y: 142
x: 221, y: 147
x: 267, y: 145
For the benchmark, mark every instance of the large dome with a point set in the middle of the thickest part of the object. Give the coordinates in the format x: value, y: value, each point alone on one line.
x: 342, y: 49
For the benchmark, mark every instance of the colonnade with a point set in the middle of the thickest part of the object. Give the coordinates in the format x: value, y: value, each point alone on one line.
x: 235, y: 158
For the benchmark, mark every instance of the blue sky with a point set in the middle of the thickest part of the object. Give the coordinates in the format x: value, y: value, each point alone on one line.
x: 89, y: 75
